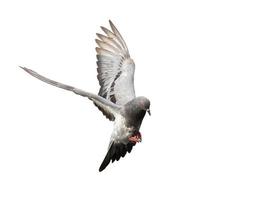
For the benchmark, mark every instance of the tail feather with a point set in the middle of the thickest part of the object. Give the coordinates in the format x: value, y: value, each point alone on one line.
x: 115, y: 152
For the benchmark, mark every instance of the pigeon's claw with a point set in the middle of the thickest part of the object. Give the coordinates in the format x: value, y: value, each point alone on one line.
x: 135, y: 138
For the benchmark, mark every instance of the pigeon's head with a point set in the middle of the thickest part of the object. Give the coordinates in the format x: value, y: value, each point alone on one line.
x: 143, y: 103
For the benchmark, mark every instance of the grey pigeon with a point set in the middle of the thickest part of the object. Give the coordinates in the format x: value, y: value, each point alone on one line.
x: 116, y: 98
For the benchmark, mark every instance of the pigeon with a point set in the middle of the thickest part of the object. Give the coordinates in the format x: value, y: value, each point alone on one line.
x: 116, y: 98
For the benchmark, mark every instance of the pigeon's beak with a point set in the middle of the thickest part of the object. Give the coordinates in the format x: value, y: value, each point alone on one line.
x: 148, y: 110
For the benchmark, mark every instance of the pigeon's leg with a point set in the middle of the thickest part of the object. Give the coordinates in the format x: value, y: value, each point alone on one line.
x: 136, y: 137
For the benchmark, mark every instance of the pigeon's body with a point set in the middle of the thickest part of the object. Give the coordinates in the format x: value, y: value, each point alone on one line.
x: 127, y: 122
x: 116, y: 98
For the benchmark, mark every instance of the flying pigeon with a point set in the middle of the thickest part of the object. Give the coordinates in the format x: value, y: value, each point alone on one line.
x: 116, y: 98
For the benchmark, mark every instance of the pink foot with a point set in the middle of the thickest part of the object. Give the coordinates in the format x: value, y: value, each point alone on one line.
x: 136, y: 137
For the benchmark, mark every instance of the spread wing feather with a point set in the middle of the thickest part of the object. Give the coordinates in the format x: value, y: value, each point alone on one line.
x: 115, y: 67
x: 108, y: 108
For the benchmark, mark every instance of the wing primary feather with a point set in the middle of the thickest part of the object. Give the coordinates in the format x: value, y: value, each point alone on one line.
x: 109, y: 40
x: 107, y: 46
x: 108, y: 32
x: 108, y: 108
x: 116, y: 32
x: 101, y: 51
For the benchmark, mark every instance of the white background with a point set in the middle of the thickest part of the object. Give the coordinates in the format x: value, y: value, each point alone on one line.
x: 195, y: 60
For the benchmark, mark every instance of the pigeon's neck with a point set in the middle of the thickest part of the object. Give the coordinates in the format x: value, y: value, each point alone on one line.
x: 133, y: 116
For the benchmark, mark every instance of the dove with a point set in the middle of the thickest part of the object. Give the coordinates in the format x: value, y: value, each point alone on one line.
x: 116, y: 98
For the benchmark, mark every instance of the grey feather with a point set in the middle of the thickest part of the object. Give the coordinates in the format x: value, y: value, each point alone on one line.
x: 109, y: 40
x: 108, y: 108
x: 115, y: 67
x: 119, y: 36
x: 116, y: 98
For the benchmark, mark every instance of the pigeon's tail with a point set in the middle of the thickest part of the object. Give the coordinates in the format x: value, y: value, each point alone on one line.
x: 116, y: 150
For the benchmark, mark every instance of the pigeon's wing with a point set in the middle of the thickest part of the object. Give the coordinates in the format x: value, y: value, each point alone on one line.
x: 108, y: 108
x: 115, y: 152
x: 115, y: 67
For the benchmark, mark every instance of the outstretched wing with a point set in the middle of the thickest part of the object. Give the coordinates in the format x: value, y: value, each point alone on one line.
x: 115, y: 67
x: 108, y: 108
